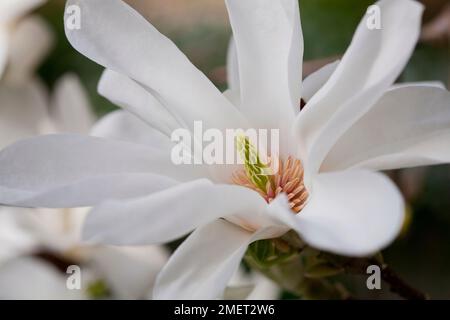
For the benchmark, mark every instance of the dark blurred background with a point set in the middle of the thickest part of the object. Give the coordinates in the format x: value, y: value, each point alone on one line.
x: 200, y: 28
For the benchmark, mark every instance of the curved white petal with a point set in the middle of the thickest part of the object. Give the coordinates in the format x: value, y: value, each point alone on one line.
x: 409, y: 126
x: 23, y: 111
x: 371, y: 64
x: 117, y: 37
x: 72, y: 170
x: 130, y: 95
x: 122, y: 125
x: 315, y: 81
x: 31, y: 41
x: 167, y: 215
x: 352, y: 213
x: 204, y: 263
x: 71, y: 110
x: 269, y: 46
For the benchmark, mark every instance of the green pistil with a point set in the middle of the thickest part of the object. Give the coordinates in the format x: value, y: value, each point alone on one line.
x: 259, y: 173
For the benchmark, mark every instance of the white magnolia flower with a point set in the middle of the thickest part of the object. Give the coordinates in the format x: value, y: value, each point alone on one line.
x: 29, y: 33
x: 353, y: 123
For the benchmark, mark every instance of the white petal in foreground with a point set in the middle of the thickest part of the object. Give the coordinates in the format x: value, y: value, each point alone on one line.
x: 370, y: 66
x: 204, y: 263
x: 269, y: 46
x: 73, y: 170
x: 119, y: 38
x: 169, y: 214
x: 352, y: 213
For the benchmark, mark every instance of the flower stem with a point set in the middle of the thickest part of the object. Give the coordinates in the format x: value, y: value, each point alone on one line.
x: 296, y: 275
x: 397, y: 284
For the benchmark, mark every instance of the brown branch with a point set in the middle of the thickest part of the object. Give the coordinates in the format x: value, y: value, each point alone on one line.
x: 397, y: 285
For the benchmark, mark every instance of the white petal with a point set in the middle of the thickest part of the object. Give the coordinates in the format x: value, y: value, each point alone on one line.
x: 71, y: 110
x: 352, y: 213
x: 167, y: 215
x: 31, y: 41
x: 373, y: 61
x: 269, y: 47
x: 31, y: 279
x: 129, y: 271
x: 23, y: 111
x: 409, y: 126
x: 72, y: 170
x: 122, y: 125
x: 130, y: 95
x: 204, y: 263
x: 315, y: 81
x: 117, y: 37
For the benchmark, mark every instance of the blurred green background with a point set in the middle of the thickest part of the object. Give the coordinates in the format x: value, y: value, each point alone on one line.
x: 200, y: 28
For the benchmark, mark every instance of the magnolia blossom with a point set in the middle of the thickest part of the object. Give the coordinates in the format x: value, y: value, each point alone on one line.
x: 328, y: 191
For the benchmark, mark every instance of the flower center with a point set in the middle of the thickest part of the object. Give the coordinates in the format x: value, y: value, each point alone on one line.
x: 273, y: 178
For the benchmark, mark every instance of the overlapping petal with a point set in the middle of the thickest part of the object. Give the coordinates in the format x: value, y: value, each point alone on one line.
x: 167, y: 215
x: 146, y: 56
x: 122, y: 125
x: 409, y: 126
x: 72, y: 170
x: 269, y: 48
x: 370, y: 66
x: 133, y: 97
